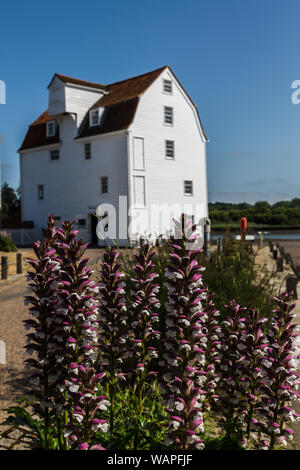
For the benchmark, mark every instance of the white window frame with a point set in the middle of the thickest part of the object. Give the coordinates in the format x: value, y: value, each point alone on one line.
x: 88, y: 150
x: 143, y: 205
x: 143, y: 154
x: 51, y: 125
x: 94, y: 112
x: 165, y: 116
x: 51, y: 153
x: 169, y: 83
x: 184, y: 188
x: 166, y: 149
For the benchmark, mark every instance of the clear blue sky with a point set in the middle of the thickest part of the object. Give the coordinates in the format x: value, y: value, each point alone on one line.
x: 236, y: 58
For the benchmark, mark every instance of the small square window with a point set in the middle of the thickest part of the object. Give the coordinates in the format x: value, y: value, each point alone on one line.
x: 188, y: 188
x: 54, y: 154
x: 167, y: 87
x: 81, y: 222
x: 50, y: 128
x: 87, y: 151
x: 104, y: 184
x: 57, y: 219
x: 168, y: 115
x: 170, y: 149
x: 41, y: 192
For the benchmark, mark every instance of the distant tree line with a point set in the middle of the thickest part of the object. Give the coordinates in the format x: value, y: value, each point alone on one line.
x: 280, y: 213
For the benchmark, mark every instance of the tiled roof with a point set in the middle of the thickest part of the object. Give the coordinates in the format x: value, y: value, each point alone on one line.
x: 77, y: 81
x: 120, y: 102
x: 116, y: 117
x: 36, y: 135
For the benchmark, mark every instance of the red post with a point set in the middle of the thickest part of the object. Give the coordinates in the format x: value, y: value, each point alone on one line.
x: 243, y: 227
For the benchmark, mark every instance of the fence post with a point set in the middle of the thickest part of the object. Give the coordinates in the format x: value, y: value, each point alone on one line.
x: 280, y: 264
x: 206, y: 244
x: 4, y: 267
x: 19, y: 263
x: 291, y: 285
x: 275, y: 254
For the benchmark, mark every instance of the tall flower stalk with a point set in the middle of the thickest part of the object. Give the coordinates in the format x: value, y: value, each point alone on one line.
x: 143, y: 317
x: 113, y: 329
x: 77, y: 314
x: 211, y: 330
x: 253, y: 343
x: 42, y: 301
x: 232, y: 380
x: 281, y: 379
x: 85, y: 421
x: 184, y: 357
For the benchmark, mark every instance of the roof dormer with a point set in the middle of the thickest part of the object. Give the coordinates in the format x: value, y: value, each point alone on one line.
x: 73, y: 96
x: 95, y: 116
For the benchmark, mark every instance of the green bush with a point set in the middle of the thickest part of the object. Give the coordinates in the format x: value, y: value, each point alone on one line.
x: 6, y: 244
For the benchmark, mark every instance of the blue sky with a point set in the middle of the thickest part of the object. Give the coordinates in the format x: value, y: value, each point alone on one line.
x: 236, y: 58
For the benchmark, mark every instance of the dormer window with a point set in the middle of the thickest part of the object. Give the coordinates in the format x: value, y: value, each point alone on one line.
x: 95, y: 116
x: 50, y: 128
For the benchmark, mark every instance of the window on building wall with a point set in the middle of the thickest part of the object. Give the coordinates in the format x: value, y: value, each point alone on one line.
x: 54, y: 154
x: 81, y: 222
x: 170, y: 149
x: 104, y: 184
x: 139, y: 191
x: 95, y: 116
x: 41, y: 192
x: 57, y: 220
x: 188, y: 188
x: 138, y: 153
x: 50, y: 128
x: 167, y: 87
x: 168, y: 118
x: 87, y: 151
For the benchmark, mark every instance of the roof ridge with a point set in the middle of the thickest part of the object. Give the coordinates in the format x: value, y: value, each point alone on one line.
x: 74, y: 79
x: 78, y: 81
x: 137, y: 76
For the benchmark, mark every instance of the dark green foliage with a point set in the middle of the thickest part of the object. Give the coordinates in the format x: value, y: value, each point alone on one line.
x: 19, y: 416
x: 6, y: 244
x: 10, y: 201
x: 234, y: 274
x: 282, y: 213
x: 137, y: 428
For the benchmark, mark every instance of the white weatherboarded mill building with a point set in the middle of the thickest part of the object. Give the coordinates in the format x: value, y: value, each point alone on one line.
x: 141, y: 139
